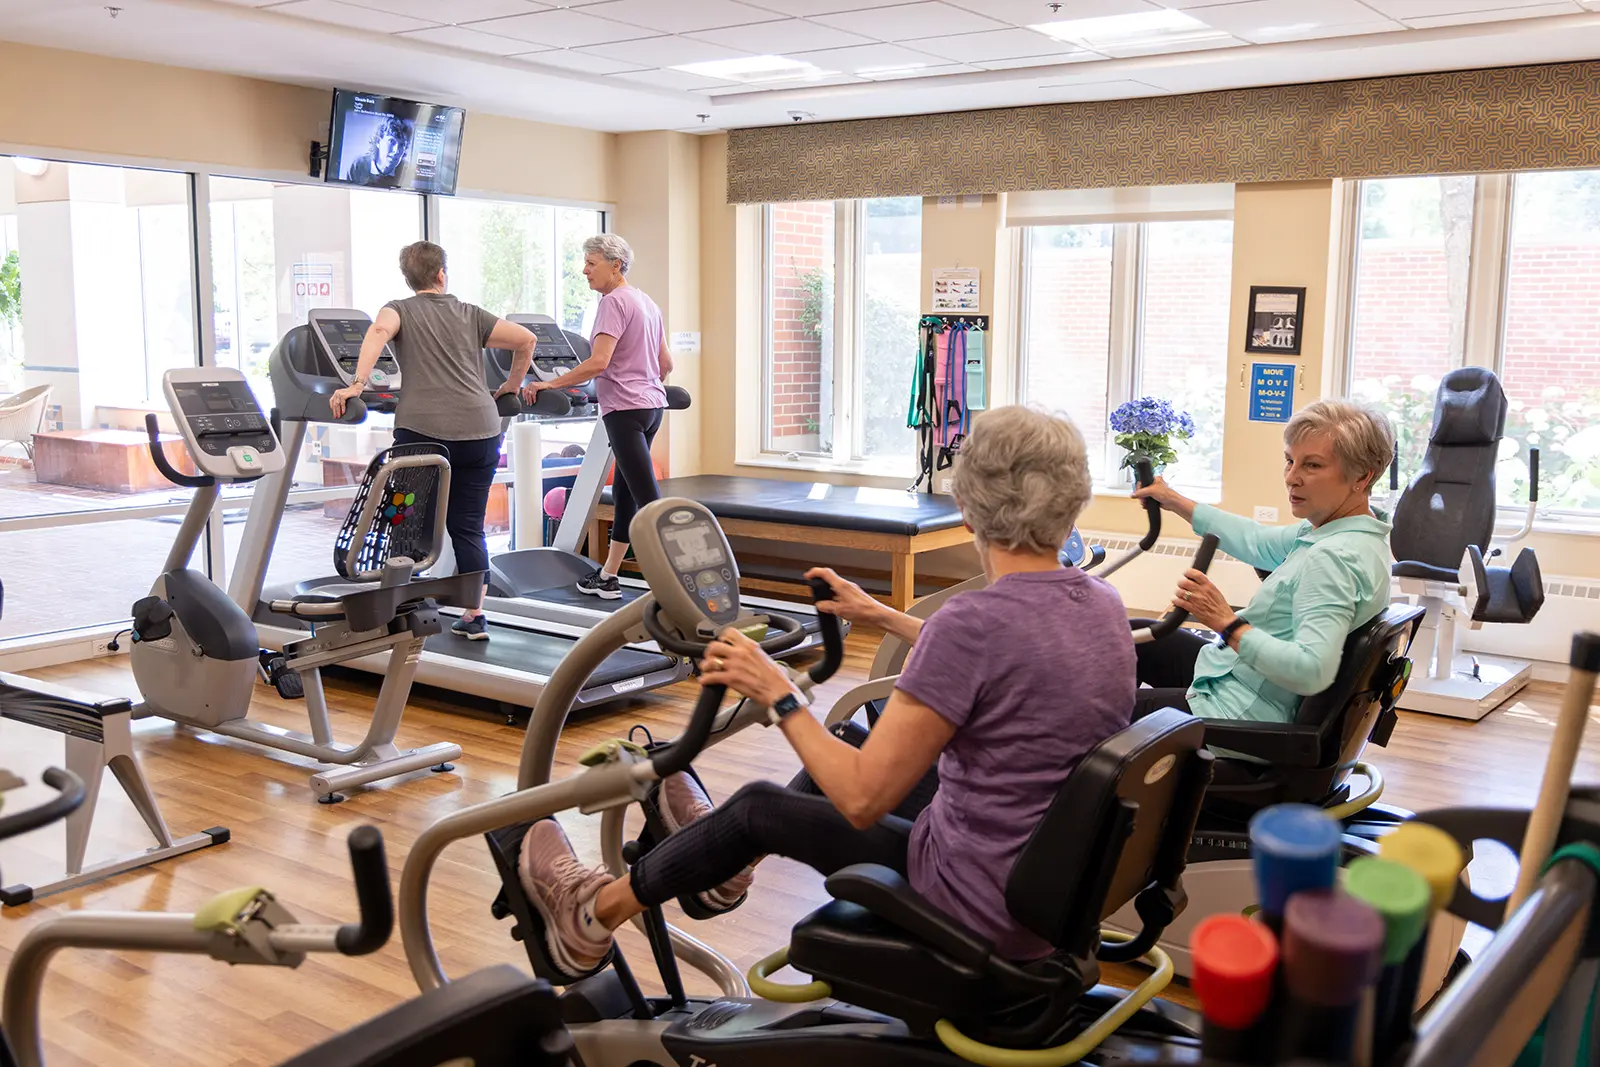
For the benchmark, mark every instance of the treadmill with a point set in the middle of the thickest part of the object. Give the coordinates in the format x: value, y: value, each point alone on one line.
x: 513, y: 666
x: 540, y: 583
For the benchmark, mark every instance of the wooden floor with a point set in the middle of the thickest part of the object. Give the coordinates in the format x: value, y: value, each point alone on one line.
x: 107, y: 1009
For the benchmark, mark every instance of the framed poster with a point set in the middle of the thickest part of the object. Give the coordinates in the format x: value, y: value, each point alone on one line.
x: 1273, y: 325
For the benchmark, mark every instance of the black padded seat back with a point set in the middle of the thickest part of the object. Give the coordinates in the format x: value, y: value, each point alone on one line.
x: 1122, y: 820
x: 1347, y: 709
x: 410, y: 483
x: 1450, y: 504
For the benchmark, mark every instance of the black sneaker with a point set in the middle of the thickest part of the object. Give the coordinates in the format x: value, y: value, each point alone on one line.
x: 597, y: 584
x: 475, y: 630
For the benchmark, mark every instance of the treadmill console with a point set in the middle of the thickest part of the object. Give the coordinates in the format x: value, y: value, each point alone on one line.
x: 688, y: 563
x: 338, y: 333
x: 223, y: 426
x: 554, y: 355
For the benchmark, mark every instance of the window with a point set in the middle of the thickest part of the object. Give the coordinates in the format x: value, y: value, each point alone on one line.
x: 1118, y: 311
x: 513, y: 257
x: 1409, y: 305
x: 843, y: 289
x: 1492, y: 271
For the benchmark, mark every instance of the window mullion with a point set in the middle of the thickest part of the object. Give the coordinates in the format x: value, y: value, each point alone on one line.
x: 845, y: 287
x: 1121, y: 367
x: 1338, y: 370
x: 1486, y: 285
x: 768, y: 382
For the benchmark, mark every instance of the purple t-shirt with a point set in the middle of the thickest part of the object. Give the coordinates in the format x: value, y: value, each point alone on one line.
x: 633, y: 378
x: 1033, y: 672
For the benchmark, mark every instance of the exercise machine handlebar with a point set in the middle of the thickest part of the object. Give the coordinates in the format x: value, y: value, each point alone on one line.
x: 1177, y: 616
x: 1145, y: 473
x: 370, y: 868
x: 69, y: 797
x: 832, y: 634
x: 158, y: 456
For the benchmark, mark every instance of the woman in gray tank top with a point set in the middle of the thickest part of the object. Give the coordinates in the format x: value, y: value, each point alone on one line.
x: 439, y: 342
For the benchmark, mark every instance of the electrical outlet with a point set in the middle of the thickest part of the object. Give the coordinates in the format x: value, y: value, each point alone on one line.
x: 945, y: 483
x: 101, y: 647
x: 1265, y: 514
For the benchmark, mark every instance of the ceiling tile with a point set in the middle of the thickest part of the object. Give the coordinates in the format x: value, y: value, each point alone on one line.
x: 665, y: 51
x: 869, y: 57
x: 1033, y: 12
x: 905, y: 21
x: 361, y: 18
x: 1410, y: 9
x: 806, y: 8
x: 1422, y: 22
x: 470, y: 40
x: 784, y: 37
x: 995, y: 44
x: 562, y: 29
x: 1285, y: 20
x: 1040, y: 61
x: 681, y: 16
x: 454, y: 12
x: 1154, y: 48
x: 673, y: 79
x: 583, y: 62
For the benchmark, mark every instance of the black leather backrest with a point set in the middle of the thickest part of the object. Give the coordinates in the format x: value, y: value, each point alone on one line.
x: 1351, y: 699
x: 1084, y: 861
x: 1450, y: 503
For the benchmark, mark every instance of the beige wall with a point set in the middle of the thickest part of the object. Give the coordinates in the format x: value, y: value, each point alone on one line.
x: 116, y: 107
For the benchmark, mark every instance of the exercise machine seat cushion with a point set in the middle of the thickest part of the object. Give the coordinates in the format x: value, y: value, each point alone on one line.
x: 211, y: 620
x: 1308, y: 760
x: 1511, y: 594
x: 1450, y: 504
x: 1120, y: 824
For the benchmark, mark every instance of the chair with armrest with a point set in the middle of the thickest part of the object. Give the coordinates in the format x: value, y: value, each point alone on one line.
x: 1117, y: 832
x: 1443, y: 529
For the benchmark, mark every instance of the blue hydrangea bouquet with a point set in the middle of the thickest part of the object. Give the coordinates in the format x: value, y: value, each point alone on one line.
x: 1147, y: 427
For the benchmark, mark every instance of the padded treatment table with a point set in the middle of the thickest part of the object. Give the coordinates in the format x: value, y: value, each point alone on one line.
x: 894, y: 521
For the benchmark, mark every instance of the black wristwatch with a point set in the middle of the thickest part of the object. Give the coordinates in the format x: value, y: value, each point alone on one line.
x: 1227, y: 631
x: 783, y: 707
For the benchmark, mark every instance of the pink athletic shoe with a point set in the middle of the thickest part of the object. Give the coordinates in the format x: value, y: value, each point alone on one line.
x: 682, y: 802
x: 558, y: 887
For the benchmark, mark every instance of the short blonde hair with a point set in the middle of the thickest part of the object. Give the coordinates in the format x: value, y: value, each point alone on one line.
x: 611, y: 247
x: 1022, y: 479
x: 1362, y: 438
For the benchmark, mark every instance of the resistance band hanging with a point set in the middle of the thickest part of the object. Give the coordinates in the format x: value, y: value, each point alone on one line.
x: 941, y: 408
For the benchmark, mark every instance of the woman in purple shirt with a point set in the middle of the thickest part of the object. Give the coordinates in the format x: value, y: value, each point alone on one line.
x: 1007, y: 687
x: 628, y: 361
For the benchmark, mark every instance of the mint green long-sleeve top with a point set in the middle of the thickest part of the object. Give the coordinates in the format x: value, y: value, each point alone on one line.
x: 1326, y: 582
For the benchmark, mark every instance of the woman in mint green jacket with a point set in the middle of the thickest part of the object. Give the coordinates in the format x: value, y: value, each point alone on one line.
x: 1330, y: 575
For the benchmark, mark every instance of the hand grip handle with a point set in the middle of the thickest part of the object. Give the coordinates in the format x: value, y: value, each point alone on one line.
x: 371, y: 870
x: 1533, y: 474
x: 832, y: 634
x: 1144, y: 473
x: 158, y: 456
x: 678, y: 755
x: 1178, y: 616
x: 1394, y: 469
x: 69, y: 796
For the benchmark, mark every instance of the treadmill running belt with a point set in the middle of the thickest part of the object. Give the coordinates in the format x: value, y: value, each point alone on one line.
x: 568, y: 596
x: 513, y: 648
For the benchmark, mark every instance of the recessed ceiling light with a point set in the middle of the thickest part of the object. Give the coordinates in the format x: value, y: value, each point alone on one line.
x: 1146, y: 27
x: 1285, y: 31
x: 33, y: 168
x: 756, y: 69
x: 890, y: 70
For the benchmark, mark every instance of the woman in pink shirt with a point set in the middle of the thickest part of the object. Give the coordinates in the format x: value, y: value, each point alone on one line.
x: 629, y: 362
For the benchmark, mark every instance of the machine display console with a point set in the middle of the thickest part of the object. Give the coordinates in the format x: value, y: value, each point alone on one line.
x: 340, y: 335
x: 221, y: 423
x: 553, y: 356
x: 698, y: 553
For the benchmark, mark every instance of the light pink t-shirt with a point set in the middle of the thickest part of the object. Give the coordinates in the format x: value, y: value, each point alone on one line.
x: 633, y: 378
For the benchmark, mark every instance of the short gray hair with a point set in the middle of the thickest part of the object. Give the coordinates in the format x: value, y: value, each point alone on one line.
x: 1022, y: 478
x: 612, y: 247
x: 1362, y: 438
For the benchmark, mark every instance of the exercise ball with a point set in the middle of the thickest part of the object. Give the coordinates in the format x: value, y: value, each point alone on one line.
x: 555, y: 502
x: 572, y: 451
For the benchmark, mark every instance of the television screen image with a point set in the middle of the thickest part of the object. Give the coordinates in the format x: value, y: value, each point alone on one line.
x: 387, y: 143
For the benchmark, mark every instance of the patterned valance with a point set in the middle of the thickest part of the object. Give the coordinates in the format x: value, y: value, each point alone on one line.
x: 1474, y: 121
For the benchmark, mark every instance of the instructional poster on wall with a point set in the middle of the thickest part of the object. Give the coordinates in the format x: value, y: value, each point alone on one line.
x: 955, y: 289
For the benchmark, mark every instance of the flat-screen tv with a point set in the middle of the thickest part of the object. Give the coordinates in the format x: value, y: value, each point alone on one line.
x: 386, y: 143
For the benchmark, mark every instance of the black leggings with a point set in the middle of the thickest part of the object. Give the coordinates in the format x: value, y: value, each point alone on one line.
x: 631, y: 433
x: 1167, y: 665
x: 763, y: 819
x: 472, y: 469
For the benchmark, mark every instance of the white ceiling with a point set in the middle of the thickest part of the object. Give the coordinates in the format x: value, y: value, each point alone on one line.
x: 609, y: 64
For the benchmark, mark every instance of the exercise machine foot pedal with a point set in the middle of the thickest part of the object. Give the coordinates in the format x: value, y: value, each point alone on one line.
x: 276, y: 673
x: 505, y: 846
x: 655, y: 831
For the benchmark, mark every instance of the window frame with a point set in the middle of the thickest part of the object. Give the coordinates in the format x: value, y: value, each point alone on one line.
x: 1488, y: 290
x: 1125, y: 342
x: 44, y: 647
x: 849, y: 368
